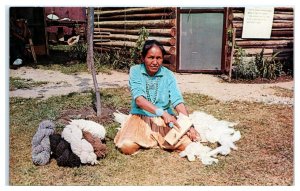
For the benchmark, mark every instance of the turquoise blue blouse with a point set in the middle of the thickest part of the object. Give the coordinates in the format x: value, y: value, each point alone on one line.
x: 160, y: 89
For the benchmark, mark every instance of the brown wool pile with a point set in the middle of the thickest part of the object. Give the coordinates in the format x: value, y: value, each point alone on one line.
x: 100, y: 149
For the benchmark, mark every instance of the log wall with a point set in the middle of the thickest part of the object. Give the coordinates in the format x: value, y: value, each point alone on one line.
x: 282, y: 34
x: 119, y: 27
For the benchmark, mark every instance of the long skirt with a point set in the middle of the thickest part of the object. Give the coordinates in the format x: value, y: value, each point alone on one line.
x: 146, y: 132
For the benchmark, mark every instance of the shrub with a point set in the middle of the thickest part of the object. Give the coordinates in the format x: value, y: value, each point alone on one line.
x: 135, y: 53
x: 78, y: 51
x: 257, y: 66
x: 268, y: 67
x: 242, y: 68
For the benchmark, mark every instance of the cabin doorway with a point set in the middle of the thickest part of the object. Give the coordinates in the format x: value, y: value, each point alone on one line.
x: 201, y: 39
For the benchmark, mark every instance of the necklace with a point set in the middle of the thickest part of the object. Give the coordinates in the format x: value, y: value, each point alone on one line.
x: 152, y: 85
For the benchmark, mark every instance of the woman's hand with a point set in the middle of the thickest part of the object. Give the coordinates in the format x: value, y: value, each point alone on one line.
x: 193, y: 134
x: 169, y: 118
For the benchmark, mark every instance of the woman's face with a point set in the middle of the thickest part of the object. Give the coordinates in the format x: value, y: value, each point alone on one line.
x: 153, y: 60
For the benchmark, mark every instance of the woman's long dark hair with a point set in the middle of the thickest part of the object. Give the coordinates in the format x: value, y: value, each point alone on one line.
x: 149, y: 44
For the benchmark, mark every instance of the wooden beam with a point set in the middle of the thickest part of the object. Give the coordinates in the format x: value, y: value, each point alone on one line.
x: 274, y: 25
x: 169, y: 49
x: 134, y: 10
x: 170, y: 32
x: 255, y: 43
x: 167, y: 23
x: 240, y: 16
x: 163, y: 40
x: 164, y: 15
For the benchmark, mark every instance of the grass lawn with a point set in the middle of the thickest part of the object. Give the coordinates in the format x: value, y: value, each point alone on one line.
x: 265, y: 154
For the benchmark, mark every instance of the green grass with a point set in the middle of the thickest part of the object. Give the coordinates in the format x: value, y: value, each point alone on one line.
x: 264, y: 157
x: 20, y: 83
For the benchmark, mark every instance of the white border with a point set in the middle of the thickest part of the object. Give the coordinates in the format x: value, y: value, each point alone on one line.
x: 135, y: 3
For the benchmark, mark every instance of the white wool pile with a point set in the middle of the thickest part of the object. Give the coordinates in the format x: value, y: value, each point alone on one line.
x: 196, y: 149
x: 94, y: 128
x: 211, y: 130
x: 82, y: 148
x: 120, y: 118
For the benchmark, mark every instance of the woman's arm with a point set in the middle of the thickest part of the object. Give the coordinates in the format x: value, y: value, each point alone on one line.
x: 148, y: 106
x: 180, y: 108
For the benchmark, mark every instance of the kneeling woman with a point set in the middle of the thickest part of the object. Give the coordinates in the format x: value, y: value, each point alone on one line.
x: 154, y: 94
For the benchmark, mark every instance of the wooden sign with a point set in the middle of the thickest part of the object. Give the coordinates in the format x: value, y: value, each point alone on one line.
x: 258, y: 22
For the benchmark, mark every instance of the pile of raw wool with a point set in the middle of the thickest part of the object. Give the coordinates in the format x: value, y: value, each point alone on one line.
x: 85, y: 138
x: 79, y: 143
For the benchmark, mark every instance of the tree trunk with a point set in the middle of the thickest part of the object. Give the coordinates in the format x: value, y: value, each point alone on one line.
x: 90, y: 57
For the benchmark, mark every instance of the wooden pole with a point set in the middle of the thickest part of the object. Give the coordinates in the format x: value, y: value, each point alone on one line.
x: 90, y: 57
x: 231, y: 55
x: 32, y: 50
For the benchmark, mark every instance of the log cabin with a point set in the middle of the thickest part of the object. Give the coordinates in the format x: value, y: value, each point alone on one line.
x: 196, y: 39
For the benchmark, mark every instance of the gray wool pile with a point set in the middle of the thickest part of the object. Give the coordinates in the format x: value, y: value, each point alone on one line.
x: 41, y: 143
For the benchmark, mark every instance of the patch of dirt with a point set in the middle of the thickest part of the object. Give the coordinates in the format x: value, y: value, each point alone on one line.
x: 89, y: 113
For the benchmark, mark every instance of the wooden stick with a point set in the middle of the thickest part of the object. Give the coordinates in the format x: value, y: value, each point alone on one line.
x: 32, y: 50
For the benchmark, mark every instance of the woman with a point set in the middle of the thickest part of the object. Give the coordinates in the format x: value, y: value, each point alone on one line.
x: 154, y: 93
x: 18, y: 38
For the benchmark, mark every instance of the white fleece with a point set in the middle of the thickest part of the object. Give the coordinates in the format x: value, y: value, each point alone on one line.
x: 94, y: 128
x: 212, y: 130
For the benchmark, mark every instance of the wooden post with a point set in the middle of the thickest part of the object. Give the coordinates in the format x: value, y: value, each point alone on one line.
x: 90, y: 57
x: 32, y: 50
x: 231, y: 55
